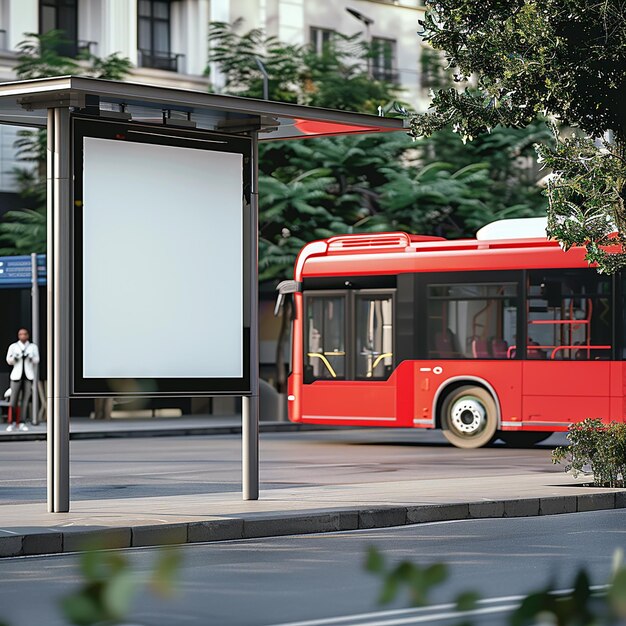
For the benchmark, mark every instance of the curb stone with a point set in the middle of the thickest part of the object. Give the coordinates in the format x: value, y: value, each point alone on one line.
x: 437, y: 513
x: 159, y: 535
x: 595, y: 501
x: 489, y: 508
x: 103, y: 538
x: 49, y: 541
x: 383, y: 517
x: 215, y: 530
x: 272, y: 526
x: 264, y: 427
x: 10, y: 545
x: 527, y: 507
x: 557, y: 505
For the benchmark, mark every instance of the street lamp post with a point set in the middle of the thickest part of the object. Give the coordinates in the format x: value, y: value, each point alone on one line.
x: 266, y: 78
x: 368, y: 21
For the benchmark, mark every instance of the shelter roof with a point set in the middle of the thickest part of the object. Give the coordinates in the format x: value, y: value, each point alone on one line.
x: 24, y: 103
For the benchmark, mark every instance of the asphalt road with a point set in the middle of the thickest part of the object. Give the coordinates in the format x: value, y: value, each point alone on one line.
x: 319, y: 580
x: 138, y: 467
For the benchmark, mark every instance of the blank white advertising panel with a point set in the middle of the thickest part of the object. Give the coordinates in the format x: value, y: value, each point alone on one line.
x: 162, y: 261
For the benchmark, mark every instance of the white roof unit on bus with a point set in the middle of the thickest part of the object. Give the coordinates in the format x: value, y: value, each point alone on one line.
x: 518, y: 228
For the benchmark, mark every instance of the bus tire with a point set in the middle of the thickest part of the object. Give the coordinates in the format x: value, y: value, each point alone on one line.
x: 524, y: 438
x: 469, y: 417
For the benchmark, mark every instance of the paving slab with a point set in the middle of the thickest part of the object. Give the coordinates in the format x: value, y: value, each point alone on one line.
x: 176, y: 519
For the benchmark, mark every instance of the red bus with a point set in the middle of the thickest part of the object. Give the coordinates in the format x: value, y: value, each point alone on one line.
x: 508, y: 338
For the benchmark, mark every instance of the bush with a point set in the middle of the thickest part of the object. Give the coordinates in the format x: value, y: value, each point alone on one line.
x: 602, y: 447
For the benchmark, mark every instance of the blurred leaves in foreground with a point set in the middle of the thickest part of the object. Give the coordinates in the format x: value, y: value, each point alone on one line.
x: 110, y: 585
x: 581, y: 605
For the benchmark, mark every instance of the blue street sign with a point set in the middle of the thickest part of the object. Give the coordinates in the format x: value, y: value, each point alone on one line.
x: 15, y: 271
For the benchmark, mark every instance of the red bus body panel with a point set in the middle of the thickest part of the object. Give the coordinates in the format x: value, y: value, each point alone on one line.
x: 531, y: 394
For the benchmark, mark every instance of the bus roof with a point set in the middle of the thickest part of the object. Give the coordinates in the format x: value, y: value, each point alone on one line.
x: 399, y: 252
x: 516, y: 228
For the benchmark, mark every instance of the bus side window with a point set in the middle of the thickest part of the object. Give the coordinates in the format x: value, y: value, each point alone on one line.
x: 471, y: 320
x: 324, y: 338
x: 569, y: 315
x: 374, y: 336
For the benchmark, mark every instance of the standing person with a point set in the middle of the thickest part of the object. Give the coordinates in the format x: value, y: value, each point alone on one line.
x: 23, y: 356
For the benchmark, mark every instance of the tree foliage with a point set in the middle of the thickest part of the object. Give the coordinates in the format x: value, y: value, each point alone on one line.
x: 321, y: 187
x: 566, y: 59
x: 23, y: 231
x: 236, y: 55
x: 529, y: 57
x: 334, y: 77
x: 364, y: 183
x: 586, y: 198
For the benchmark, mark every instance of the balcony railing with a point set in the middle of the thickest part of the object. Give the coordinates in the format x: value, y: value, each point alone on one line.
x: 386, y: 74
x: 86, y: 47
x: 169, y: 61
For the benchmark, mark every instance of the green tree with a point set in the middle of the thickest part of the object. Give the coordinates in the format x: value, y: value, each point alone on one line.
x: 519, y: 59
x: 321, y: 187
x: 23, y: 231
x: 510, y: 161
x: 334, y: 77
x: 237, y: 56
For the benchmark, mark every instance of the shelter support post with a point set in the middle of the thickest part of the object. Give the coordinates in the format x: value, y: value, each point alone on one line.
x: 250, y: 447
x: 59, y: 221
x: 250, y: 404
x: 35, y: 334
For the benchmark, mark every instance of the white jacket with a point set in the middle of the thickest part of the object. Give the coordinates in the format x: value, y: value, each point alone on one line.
x: 23, y: 355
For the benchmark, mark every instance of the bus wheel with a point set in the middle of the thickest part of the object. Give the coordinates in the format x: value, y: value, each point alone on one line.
x: 524, y: 439
x: 469, y: 417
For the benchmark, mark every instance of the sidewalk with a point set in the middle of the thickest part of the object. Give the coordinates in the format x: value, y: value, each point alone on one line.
x: 84, y: 428
x: 27, y: 529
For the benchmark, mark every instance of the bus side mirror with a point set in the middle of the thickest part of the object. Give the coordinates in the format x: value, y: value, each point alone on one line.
x: 284, y: 288
x: 280, y: 302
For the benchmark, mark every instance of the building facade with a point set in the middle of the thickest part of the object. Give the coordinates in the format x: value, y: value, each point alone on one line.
x: 167, y: 40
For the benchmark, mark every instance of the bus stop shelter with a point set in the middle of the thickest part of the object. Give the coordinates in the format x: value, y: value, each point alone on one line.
x: 150, y: 177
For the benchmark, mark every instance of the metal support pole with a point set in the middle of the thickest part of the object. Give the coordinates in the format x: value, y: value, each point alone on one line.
x: 59, y: 218
x: 250, y: 447
x: 35, y: 334
x: 370, y: 51
x: 250, y: 405
x: 266, y: 78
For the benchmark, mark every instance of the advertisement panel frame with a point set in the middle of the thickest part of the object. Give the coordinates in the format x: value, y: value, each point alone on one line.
x: 114, y: 130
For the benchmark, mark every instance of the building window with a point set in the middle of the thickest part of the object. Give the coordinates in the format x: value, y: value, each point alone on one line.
x: 154, y: 24
x: 61, y: 15
x: 321, y: 38
x: 384, y: 59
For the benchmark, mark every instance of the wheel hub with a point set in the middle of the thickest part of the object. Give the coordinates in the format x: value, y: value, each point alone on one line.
x: 468, y: 415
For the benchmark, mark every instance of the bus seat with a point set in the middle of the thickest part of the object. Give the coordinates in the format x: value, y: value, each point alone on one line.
x: 499, y: 348
x: 535, y: 354
x: 479, y: 348
x: 581, y: 354
x: 445, y: 344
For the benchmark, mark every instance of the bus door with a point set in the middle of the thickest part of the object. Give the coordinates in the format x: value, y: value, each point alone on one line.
x: 567, y: 367
x: 349, y: 356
